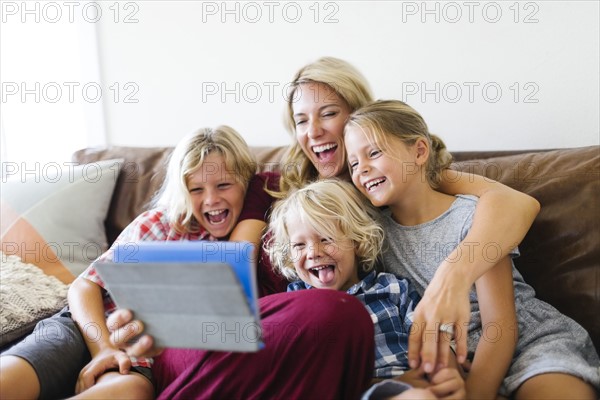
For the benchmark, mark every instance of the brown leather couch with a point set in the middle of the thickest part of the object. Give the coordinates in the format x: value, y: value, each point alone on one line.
x: 560, y: 256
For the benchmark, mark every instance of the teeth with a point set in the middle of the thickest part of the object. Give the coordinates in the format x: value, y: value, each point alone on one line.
x: 374, y: 182
x: 323, y: 147
x: 215, y: 212
x: 319, y: 268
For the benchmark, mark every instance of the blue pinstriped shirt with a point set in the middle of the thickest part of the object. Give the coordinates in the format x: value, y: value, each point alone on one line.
x: 390, y: 302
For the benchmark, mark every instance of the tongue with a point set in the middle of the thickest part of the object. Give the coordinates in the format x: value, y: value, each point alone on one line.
x: 327, y: 155
x: 326, y: 274
x: 215, y: 219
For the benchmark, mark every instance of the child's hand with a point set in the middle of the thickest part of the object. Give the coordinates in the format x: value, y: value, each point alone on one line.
x: 414, y: 377
x: 414, y: 394
x: 123, y: 329
x: 466, y: 366
x: 448, y: 384
x: 107, y: 359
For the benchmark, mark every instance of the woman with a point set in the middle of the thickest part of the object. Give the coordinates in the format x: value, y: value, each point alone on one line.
x: 322, y: 96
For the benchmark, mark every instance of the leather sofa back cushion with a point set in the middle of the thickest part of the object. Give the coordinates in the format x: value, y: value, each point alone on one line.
x: 560, y: 256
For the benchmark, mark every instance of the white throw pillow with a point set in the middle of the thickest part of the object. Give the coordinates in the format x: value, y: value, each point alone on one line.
x: 53, y: 215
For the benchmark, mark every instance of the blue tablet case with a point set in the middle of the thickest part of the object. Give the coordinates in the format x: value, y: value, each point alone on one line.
x: 199, y: 294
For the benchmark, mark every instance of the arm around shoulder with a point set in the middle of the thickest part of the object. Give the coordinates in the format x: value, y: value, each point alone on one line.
x: 502, y: 217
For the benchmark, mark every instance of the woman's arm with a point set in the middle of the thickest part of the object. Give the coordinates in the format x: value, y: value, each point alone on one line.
x: 503, y: 215
x: 496, y: 346
x: 502, y: 218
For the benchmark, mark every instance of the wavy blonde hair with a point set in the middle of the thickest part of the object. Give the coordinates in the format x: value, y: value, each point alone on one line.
x: 333, y: 208
x: 348, y: 83
x: 188, y: 155
x: 383, y: 119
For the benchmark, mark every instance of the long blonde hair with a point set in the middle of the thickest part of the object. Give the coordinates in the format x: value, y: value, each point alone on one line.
x: 348, y: 83
x: 336, y: 210
x: 188, y: 155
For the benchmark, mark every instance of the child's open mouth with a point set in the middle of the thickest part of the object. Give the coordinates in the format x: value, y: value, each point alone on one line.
x: 216, y: 216
x: 324, y: 273
x: 325, y: 152
x: 373, y: 184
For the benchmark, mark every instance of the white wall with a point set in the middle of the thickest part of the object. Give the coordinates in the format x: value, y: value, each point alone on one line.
x: 165, y: 60
x: 546, y: 65
x: 45, y: 64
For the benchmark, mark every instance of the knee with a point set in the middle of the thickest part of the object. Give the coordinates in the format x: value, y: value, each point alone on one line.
x: 335, y: 310
x: 128, y: 386
x: 18, y: 379
x: 343, y: 310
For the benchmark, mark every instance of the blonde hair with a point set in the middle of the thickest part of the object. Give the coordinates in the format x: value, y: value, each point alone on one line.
x: 348, y: 83
x: 189, y: 155
x: 394, y: 118
x: 333, y: 208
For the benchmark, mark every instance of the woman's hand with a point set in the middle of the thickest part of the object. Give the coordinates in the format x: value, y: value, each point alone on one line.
x: 444, y: 303
x: 123, y: 329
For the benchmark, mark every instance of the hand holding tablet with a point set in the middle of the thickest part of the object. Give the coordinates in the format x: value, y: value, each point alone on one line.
x: 188, y: 294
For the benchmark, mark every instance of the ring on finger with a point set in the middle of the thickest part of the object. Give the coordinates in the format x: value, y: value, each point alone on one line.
x: 447, y: 328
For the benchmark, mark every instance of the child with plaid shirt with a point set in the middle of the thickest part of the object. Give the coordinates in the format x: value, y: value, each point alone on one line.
x: 327, y: 236
x: 202, y: 198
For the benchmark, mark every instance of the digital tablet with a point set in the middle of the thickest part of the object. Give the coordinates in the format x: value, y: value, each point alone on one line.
x: 199, y: 294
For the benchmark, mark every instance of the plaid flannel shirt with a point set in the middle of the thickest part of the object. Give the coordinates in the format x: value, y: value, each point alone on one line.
x: 390, y: 302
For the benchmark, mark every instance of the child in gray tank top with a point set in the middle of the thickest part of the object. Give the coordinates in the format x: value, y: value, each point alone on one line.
x: 519, y: 346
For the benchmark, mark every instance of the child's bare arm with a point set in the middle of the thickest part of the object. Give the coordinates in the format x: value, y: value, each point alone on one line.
x: 249, y: 230
x: 503, y: 216
x: 87, y: 308
x: 495, y: 349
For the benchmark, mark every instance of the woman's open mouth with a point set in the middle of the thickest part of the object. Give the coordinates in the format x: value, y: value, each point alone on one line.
x: 325, y: 152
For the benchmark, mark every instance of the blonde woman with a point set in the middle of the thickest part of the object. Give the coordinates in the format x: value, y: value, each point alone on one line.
x: 323, y: 94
